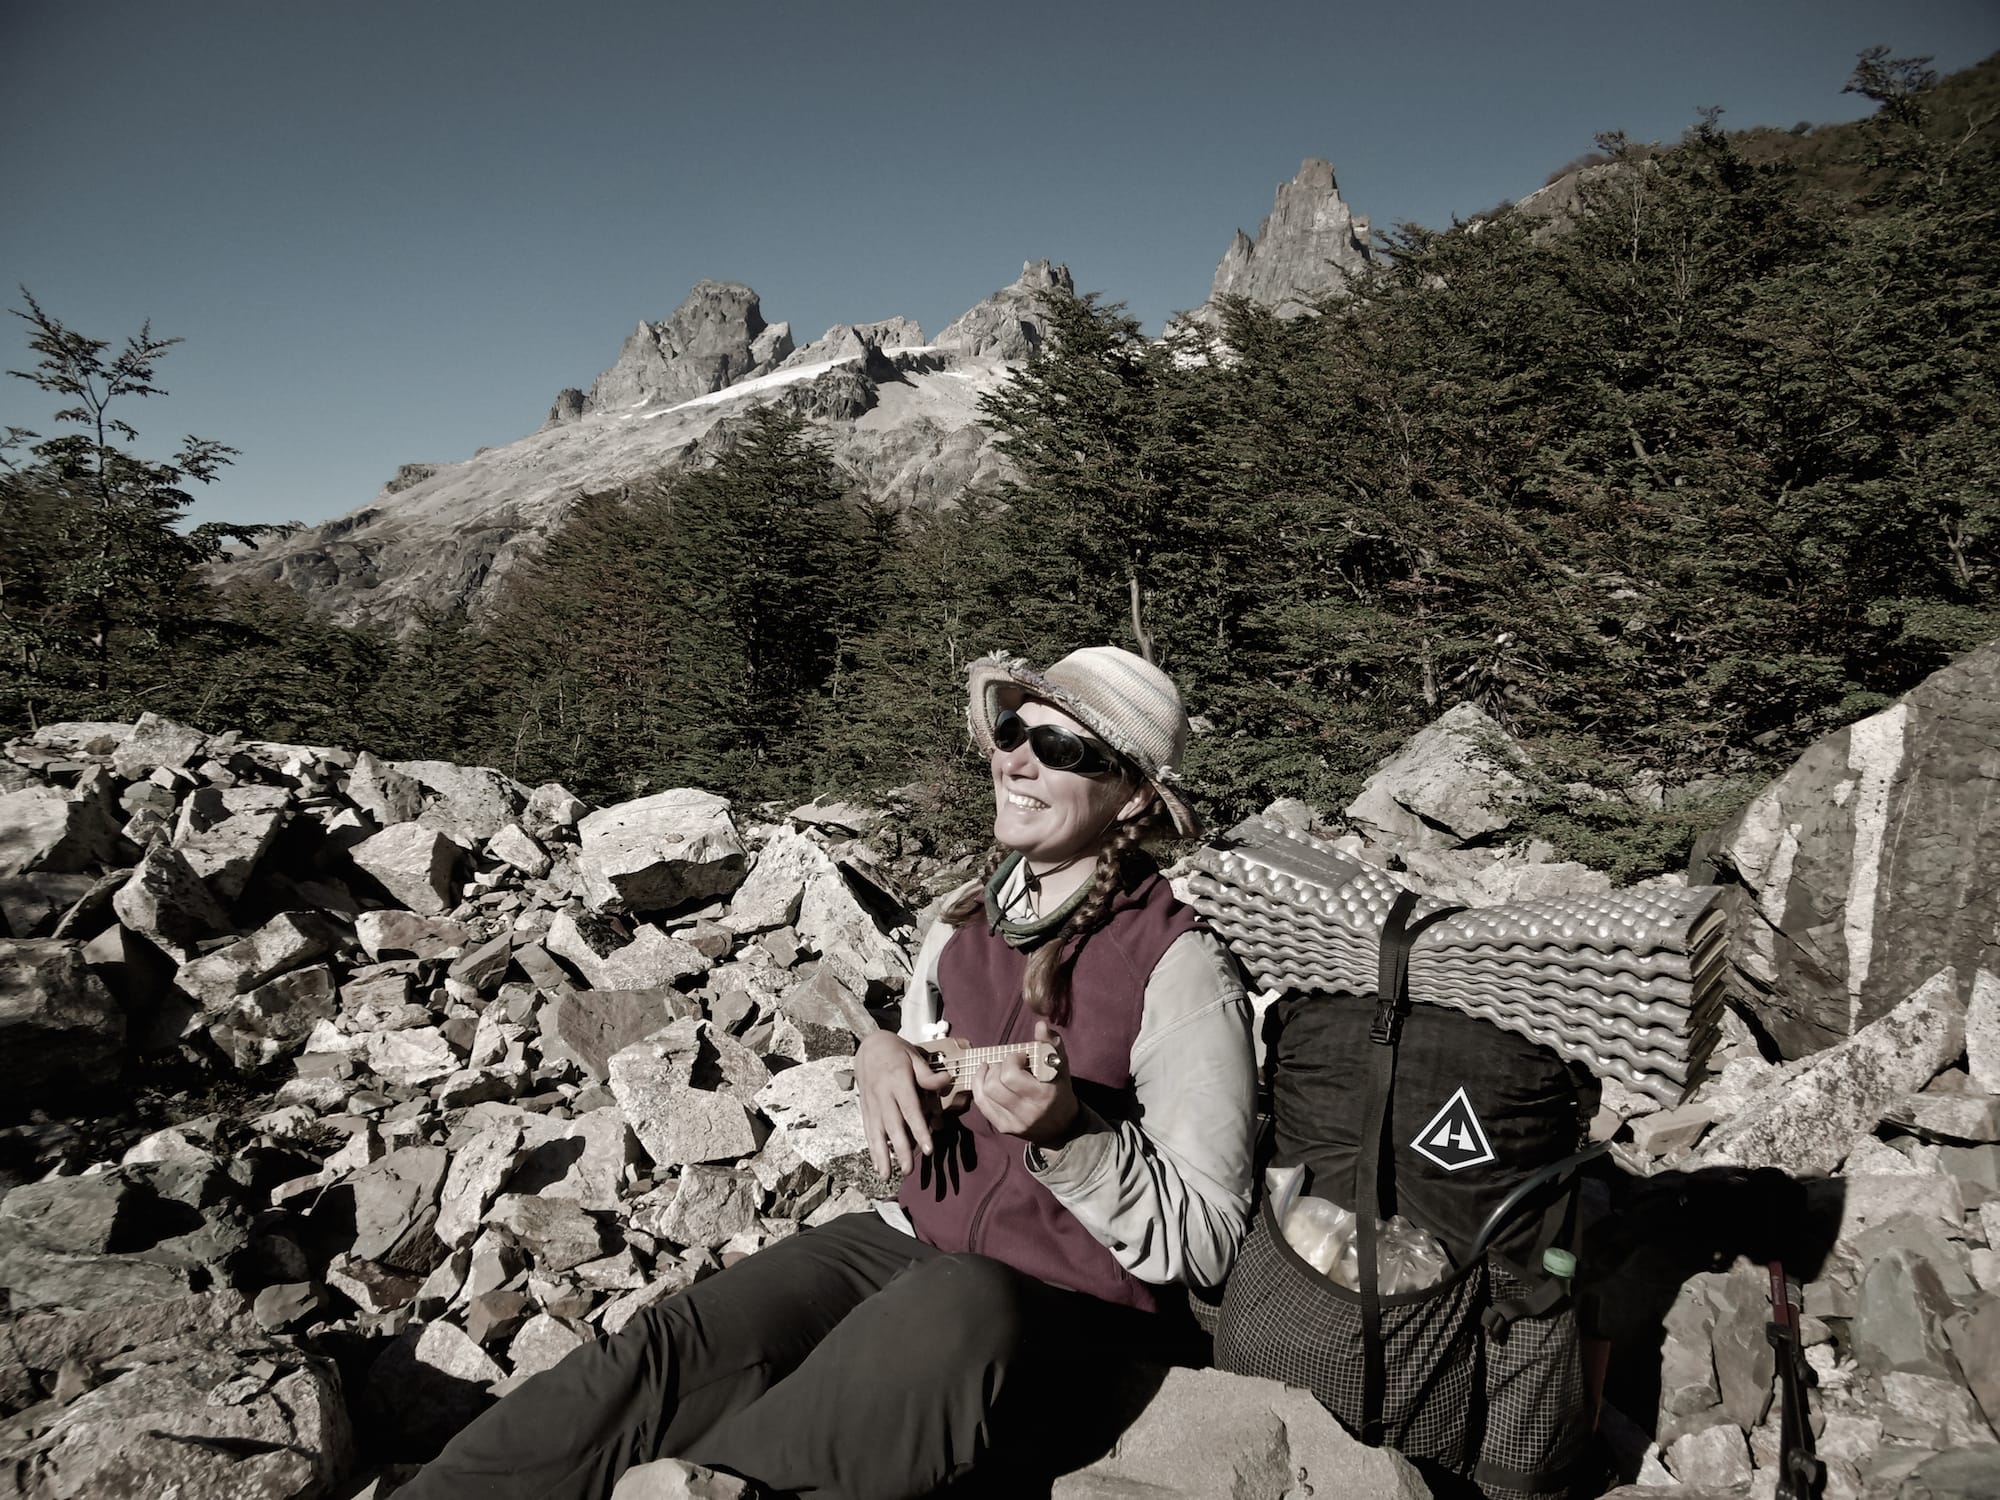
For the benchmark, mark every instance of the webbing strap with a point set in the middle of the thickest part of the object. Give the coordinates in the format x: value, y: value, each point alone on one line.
x: 1392, y: 992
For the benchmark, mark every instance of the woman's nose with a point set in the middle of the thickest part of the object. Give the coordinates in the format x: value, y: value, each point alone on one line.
x: 1020, y: 761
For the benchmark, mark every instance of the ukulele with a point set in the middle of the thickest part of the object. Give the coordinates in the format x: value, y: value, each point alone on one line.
x: 949, y: 1054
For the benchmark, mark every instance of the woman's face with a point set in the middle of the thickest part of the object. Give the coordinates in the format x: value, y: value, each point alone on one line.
x: 1055, y: 816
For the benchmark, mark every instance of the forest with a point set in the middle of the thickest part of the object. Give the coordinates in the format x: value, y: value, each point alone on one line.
x: 1671, y: 479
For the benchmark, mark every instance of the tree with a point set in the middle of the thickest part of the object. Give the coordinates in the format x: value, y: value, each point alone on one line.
x: 96, y: 580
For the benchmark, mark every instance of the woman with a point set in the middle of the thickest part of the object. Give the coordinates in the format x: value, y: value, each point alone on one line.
x: 1026, y: 1259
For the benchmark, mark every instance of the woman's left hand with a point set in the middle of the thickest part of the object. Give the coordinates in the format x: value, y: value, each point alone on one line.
x: 1016, y: 1102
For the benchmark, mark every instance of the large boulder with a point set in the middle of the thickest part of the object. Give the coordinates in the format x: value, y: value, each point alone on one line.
x: 224, y: 831
x: 148, y: 1232
x: 58, y: 1023
x: 470, y: 803
x: 154, y: 744
x: 415, y: 863
x: 166, y: 902
x: 1808, y: 1122
x: 1206, y: 1433
x: 661, y: 851
x: 198, y: 1418
x: 1873, y: 863
x: 1452, y: 783
x: 44, y: 828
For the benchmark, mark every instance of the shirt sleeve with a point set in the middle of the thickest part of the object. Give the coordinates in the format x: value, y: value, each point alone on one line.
x: 1170, y: 1197
x: 922, y: 1006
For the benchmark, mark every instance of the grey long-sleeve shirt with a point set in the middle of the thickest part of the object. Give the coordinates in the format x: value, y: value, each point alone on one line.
x: 1169, y: 1197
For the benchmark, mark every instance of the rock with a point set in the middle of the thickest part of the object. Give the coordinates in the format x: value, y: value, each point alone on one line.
x: 1955, y: 1117
x: 166, y: 903
x: 469, y: 804
x: 482, y: 968
x: 413, y: 1057
x: 769, y: 895
x: 1931, y: 1412
x: 275, y: 1018
x: 43, y: 829
x: 814, y: 1107
x: 153, y: 743
x: 1974, y: 1336
x: 584, y: 1162
x: 513, y: 846
x: 1967, y: 1474
x: 551, y: 808
x: 197, y: 1419
x: 1208, y: 1433
x: 836, y: 925
x: 595, y: 1023
x: 661, y: 851
x: 372, y: 1288
x: 478, y: 1172
x: 1310, y: 244
x: 1452, y: 782
x: 384, y: 793
x: 1672, y: 1131
x: 826, y: 1002
x: 396, y: 1207
x: 286, y: 942
x: 1899, y: 1317
x: 414, y: 863
x: 1688, y: 1385
x: 651, y: 959
x: 1810, y: 1122
x: 677, y: 1123
x: 1867, y: 863
x: 557, y: 1233
x: 59, y: 1025
x: 673, y: 1479
x: 1745, y: 1362
x: 542, y: 1343
x: 1009, y: 324
x: 145, y: 1233
x: 288, y: 1304
x: 707, y: 1206
x: 224, y: 831
x: 399, y: 934
x: 424, y: 1387
x: 1982, y: 1031
x: 1713, y: 1458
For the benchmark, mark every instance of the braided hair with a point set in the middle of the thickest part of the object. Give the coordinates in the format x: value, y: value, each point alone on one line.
x: 1119, y: 862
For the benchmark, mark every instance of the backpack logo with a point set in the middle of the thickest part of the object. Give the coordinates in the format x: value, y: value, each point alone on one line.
x: 1454, y: 1138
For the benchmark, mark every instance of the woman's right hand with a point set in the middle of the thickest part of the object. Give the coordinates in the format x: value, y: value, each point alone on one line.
x: 892, y: 1077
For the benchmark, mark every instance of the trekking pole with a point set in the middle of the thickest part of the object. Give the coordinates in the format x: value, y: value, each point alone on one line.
x: 1800, y: 1473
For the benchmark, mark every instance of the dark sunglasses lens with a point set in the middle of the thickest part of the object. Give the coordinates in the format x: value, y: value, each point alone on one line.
x: 1054, y: 746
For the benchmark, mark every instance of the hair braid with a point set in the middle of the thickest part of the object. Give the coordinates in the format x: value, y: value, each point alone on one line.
x: 1046, y: 985
x: 973, y: 902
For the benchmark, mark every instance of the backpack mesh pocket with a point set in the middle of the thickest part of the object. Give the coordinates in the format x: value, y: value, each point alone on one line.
x: 1284, y: 1320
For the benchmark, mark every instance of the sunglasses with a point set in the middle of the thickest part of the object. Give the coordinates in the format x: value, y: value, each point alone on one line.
x: 1055, y: 747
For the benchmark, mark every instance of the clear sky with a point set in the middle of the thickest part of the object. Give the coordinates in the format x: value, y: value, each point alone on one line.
x: 391, y: 232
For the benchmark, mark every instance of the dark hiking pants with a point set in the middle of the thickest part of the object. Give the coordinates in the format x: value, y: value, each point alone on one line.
x: 851, y: 1362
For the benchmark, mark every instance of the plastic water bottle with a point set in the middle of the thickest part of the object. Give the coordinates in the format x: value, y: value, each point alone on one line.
x: 1407, y: 1258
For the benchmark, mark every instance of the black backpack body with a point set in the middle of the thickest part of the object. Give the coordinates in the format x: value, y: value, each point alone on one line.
x: 1447, y: 1120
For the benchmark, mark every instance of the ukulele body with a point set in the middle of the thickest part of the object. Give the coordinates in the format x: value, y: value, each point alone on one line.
x: 951, y: 1055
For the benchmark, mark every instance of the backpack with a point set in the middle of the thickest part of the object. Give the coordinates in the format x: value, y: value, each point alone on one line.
x: 1434, y: 1112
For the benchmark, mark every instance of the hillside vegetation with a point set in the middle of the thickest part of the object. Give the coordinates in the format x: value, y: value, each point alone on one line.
x: 1669, y: 489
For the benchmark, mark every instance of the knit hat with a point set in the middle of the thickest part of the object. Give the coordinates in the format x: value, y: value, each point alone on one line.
x: 1121, y: 698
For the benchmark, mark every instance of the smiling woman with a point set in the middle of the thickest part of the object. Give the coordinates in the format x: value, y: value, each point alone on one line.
x: 1050, y: 1217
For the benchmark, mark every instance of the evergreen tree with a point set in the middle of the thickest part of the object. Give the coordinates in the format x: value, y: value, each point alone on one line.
x: 96, y: 580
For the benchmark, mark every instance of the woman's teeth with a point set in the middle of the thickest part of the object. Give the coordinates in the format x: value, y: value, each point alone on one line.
x: 1027, y: 804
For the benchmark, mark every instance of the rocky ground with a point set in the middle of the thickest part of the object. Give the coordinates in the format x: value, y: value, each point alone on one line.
x: 349, y: 1094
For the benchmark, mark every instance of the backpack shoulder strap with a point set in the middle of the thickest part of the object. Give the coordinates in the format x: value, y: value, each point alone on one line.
x: 1392, y: 999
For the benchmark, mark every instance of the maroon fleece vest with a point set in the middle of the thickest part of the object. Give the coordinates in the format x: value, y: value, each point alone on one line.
x: 974, y: 1192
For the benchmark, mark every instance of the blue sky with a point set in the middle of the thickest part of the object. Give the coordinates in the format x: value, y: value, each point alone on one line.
x: 390, y: 232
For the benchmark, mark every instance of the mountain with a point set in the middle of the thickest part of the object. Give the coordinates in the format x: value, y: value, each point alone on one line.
x: 1309, y: 242
x: 900, y: 417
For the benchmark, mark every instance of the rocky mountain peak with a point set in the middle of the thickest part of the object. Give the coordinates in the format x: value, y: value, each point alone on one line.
x: 1309, y: 243
x: 856, y: 340
x: 715, y: 338
x: 1008, y: 324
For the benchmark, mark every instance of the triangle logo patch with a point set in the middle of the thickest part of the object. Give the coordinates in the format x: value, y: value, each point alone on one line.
x: 1454, y: 1138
